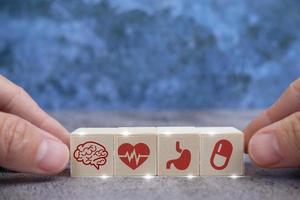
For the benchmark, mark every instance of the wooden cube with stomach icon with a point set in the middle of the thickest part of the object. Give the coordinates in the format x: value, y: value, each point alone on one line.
x: 221, y: 151
x: 178, y: 151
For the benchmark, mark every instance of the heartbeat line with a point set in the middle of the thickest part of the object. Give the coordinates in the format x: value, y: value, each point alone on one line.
x: 134, y: 156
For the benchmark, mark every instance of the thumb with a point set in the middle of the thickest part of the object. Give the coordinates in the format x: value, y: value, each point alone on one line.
x: 277, y: 145
x: 26, y: 148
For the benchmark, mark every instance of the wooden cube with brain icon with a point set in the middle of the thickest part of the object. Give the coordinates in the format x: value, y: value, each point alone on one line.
x: 92, y: 152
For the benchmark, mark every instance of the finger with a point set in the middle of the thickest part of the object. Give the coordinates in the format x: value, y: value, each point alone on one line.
x: 288, y: 103
x: 26, y: 148
x: 277, y: 145
x: 15, y: 100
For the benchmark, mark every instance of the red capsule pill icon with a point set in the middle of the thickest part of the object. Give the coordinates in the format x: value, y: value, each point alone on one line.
x: 221, y: 154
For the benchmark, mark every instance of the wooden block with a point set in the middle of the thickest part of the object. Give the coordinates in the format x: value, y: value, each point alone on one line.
x: 178, y: 151
x: 135, y: 151
x: 92, y: 151
x: 221, y: 151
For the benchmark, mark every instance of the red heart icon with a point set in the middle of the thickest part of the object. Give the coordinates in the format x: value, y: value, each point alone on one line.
x: 133, y: 156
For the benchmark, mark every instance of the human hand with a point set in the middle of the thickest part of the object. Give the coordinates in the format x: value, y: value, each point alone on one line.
x: 30, y: 140
x: 272, y: 139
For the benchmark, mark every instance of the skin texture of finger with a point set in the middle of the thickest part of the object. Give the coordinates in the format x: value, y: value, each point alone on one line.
x: 26, y: 148
x: 277, y: 145
x: 15, y: 100
x: 288, y: 103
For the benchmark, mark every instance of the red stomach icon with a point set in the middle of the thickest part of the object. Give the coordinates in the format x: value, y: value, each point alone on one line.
x: 183, y: 161
x: 221, y: 154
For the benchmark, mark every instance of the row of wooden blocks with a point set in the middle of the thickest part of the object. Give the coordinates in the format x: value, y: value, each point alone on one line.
x: 164, y: 151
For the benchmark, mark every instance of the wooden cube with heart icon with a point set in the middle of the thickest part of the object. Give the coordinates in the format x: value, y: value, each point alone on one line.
x: 221, y: 151
x: 178, y: 151
x: 92, y: 152
x: 135, y: 151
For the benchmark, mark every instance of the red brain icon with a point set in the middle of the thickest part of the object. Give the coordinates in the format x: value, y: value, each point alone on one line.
x: 91, y: 153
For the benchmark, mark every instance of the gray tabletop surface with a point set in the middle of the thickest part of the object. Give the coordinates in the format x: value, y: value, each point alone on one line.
x: 257, y: 183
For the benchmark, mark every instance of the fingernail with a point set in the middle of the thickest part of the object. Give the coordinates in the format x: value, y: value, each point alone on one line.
x: 52, y: 156
x: 264, y: 150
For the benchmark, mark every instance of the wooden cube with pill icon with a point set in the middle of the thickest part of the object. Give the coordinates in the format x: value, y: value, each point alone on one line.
x: 178, y: 151
x: 135, y: 151
x: 221, y: 151
x: 92, y: 152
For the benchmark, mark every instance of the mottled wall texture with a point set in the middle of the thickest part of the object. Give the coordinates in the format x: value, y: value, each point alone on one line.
x: 150, y: 54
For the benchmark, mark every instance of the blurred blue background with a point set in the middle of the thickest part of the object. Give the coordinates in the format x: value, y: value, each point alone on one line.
x: 150, y: 54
